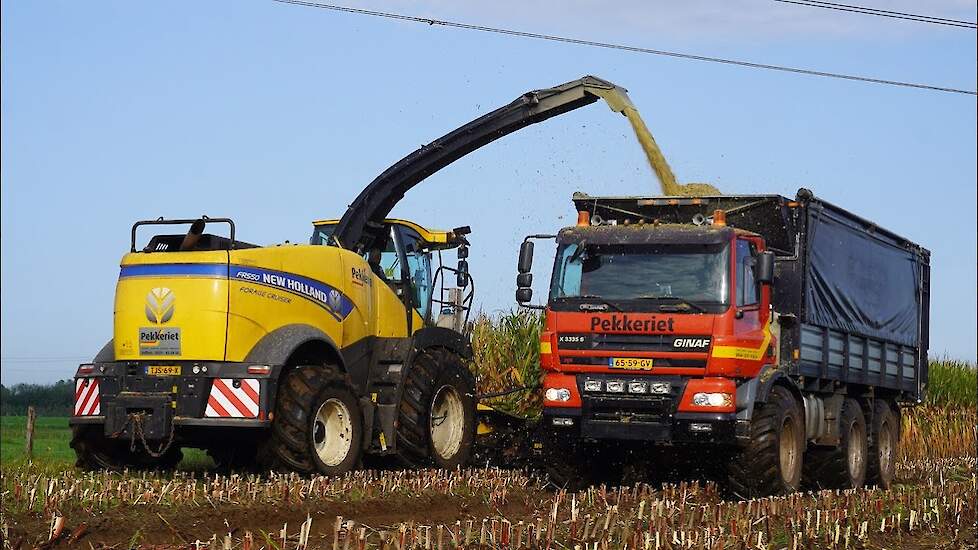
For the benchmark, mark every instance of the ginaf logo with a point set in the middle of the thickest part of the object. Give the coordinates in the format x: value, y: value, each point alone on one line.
x: 159, y: 305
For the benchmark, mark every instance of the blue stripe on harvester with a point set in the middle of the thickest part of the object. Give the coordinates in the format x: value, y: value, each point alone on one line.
x: 163, y: 270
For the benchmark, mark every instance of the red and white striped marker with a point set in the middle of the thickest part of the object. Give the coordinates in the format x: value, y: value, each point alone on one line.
x: 227, y: 401
x: 87, y: 402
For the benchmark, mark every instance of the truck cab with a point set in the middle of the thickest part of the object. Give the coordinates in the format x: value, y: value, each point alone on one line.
x: 648, y: 325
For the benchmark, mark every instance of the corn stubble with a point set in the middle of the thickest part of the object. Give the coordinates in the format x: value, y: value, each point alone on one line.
x: 686, y: 515
x: 935, y: 498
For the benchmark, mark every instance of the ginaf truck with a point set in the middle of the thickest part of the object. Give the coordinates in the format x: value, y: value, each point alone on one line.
x: 774, y: 339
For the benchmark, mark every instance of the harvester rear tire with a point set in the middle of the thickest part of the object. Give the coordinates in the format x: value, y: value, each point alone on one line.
x: 884, y: 446
x: 318, y: 424
x: 771, y: 463
x: 842, y: 467
x: 94, y: 452
x: 436, y: 414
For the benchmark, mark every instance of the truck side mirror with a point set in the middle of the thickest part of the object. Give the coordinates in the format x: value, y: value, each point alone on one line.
x: 525, y: 262
x: 764, y: 268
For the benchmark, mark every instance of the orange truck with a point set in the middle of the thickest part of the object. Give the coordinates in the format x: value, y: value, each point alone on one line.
x: 771, y: 340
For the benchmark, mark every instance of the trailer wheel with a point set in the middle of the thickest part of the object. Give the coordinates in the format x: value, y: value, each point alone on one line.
x: 842, y: 467
x: 771, y: 463
x: 318, y: 425
x: 94, y: 451
x: 883, y: 446
x: 436, y: 415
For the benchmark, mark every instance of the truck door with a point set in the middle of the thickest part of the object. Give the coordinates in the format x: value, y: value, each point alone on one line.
x: 749, y: 324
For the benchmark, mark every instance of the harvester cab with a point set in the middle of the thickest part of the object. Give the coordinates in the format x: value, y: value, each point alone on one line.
x: 409, y: 259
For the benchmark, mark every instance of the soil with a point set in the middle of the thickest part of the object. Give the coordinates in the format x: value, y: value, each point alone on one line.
x: 152, y: 525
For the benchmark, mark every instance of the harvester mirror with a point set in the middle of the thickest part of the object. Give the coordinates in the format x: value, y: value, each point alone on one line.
x: 524, y: 280
x: 525, y: 263
x: 524, y: 295
x: 764, y: 268
x: 462, y: 275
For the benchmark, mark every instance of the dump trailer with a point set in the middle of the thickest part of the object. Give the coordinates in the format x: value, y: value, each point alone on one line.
x: 773, y: 339
x: 301, y: 357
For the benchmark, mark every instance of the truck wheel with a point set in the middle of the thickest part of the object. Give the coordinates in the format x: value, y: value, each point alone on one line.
x: 771, y: 462
x: 883, y: 448
x: 842, y: 467
x: 436, y: 415
x: 318, y: 425
x: 94, y: 451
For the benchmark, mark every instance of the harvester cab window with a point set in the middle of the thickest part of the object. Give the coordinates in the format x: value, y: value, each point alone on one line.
x: 385, y: 259
x: 418, y: 268
x: 748, y: 292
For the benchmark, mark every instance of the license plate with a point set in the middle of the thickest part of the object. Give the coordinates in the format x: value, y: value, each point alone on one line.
x: 164, y: 370
x: 636, y: 363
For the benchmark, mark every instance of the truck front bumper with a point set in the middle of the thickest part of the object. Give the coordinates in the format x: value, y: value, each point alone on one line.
x: 192, y: 394
x: 676, y: 428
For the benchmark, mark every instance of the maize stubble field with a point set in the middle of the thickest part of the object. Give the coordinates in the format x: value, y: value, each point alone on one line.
x: 49, y: 504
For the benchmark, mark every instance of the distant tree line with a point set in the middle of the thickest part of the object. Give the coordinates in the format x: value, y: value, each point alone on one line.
x: 48, y: 399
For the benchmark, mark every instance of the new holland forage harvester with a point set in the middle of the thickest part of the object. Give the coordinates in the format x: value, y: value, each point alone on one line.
x: 301, y: 357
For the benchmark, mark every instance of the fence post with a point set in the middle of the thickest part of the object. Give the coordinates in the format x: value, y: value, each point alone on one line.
x: 31, y: 417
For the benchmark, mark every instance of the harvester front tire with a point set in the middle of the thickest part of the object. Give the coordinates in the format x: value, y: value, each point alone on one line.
x: 771, y: 463
x: 884, y: 446
x: 842, y: 467
x: 95, y: 452
x: 436, y: 414
x: 318, y: 424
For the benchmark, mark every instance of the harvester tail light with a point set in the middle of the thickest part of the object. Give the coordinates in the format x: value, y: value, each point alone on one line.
x: 86, y: 369
x: 259, y: 369
x: 583, y: 218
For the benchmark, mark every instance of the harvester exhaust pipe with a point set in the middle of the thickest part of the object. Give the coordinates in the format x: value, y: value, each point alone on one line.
x: 193, y: 235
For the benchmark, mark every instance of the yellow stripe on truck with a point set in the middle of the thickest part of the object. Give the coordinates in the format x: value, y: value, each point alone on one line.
x: 748, y: 354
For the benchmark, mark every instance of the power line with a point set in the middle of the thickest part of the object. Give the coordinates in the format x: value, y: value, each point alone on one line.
x: 635, y: 49
x: 883, y: 13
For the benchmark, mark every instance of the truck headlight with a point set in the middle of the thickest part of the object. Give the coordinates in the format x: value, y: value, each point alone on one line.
x: 592, y: 385
x: 615, y: 386
x: 712, y: 399
x: 557, y: 394
x: 637, y: 387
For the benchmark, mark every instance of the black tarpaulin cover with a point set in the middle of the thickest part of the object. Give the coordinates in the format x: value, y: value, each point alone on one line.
x: 859, y: 282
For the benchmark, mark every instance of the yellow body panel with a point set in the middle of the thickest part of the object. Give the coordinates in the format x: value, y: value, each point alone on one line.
x: 193, y: 302
x: 222, y: 303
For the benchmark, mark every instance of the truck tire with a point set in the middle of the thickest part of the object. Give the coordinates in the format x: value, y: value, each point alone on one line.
x: 842, y: 467
x: 771, y: 463
x: 95, y: 452
x: 318, y: 424
x: 436, y: 413
x: 881, y: 469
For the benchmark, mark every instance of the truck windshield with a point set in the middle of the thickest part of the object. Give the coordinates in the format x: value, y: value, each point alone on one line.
x: 691, y: 273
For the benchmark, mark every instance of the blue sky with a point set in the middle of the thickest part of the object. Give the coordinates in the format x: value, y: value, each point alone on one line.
x: 276, y: 115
